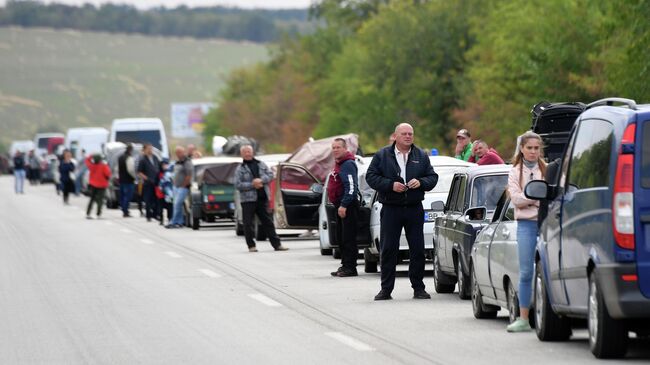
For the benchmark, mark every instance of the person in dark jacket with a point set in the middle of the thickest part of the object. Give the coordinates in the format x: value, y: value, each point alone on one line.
x: 126, y: 178
x: 148, y: 170
x: 19, y: 172
x: 67, y: 176
x: 401, y: 173
x: 252, y: 179
x: 343, y: 192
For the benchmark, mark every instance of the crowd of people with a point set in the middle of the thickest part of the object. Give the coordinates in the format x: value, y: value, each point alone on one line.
x: 401, y: 173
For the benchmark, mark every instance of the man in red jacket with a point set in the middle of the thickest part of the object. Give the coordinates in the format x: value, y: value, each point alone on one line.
x: 482, y: 154
x: 98, y: 182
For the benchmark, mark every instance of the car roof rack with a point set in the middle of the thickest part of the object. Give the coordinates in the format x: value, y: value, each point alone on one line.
x: 610, y: 101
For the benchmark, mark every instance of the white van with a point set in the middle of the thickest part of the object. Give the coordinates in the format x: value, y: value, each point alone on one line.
x: 141, y: 131
x: 90, y: 140
x: 46, y: 143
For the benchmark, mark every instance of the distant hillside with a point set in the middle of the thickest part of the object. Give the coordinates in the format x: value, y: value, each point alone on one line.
x: 53, y: 80
x: 255, y: 25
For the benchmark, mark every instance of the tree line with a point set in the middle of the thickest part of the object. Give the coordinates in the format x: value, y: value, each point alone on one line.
x: 440, y: 65
x: 206, y: 22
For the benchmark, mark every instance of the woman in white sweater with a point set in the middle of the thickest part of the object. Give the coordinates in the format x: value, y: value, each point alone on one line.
x: 527, y: 164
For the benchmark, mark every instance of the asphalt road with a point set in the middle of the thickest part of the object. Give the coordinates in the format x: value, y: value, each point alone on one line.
x: 124, y: 291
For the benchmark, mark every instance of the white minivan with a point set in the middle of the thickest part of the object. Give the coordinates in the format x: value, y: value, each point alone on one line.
x: 90, y: 140
x: 140, y: 131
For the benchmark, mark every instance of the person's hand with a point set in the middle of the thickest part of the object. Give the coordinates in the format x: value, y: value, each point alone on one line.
x: 398, y: 187
x: 459, y: 148
x: 257, y: 183
x: 342, y: 211
x: 413, y: 184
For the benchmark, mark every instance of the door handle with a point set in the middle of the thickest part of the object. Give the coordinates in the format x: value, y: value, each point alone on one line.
x: 453, y: 224
x: 505, y: 233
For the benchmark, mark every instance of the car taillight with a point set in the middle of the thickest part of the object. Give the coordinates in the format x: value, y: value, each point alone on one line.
x: 623, y: 210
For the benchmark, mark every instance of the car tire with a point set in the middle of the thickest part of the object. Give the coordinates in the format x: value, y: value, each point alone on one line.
x: 196, y: 224
x: 481, y: 311
x: 326, y: 251
x: 513, y: 302
x: 608, y: 337
x: 239, y: 229
x: 443, y: 283
x: 369, y: 262
x: 464, y: 288
x: 548, y: 325
x: 336, y: 253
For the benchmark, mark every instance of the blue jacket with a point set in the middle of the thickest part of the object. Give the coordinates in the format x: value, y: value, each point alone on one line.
x: 384, y: 171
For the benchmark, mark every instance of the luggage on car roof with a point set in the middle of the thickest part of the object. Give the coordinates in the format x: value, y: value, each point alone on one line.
x: 553, y: 122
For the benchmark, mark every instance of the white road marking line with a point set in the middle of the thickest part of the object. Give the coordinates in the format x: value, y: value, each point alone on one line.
x: 173, y: 254
x: 265, y: 300
x: 209, y: 273
x: 126, y: 230
x: 349, y: 341
x: 146, y: 241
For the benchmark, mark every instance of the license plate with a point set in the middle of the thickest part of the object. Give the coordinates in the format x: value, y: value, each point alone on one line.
x: 429, y: 216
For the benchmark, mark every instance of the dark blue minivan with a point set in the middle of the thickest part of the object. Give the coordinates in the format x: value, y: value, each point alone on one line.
x: 593, y: 253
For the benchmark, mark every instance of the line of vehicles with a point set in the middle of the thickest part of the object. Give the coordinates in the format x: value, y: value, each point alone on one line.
x: 593, y: 254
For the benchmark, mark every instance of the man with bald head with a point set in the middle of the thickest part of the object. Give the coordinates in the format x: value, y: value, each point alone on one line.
x: 401, y: 173
x: 183, y: 170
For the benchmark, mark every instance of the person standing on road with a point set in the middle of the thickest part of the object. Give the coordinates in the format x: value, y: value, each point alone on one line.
x: 97, y: 183
x: 67, y: 176
x: 482, y: 154
x: 342, y: 191
x: 401, y: 173
x: 183, y: 170
x: 34, y: 164
x: 463, y: 145
x: 252, y: 179
x: 528, y: 164
x: 19, y: 172
x: 126, y: 178
x: 165, y: 191
x: 148, y: 170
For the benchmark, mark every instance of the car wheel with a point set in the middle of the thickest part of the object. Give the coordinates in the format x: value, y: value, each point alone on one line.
x: 513, y: 302
x: 608, y: 337
x: 239, y: 229
x: 369, y: 261
x: 463, y: 282
x: 548, y: 325
x: 195, y: 224
x: 336, y: 253
x: 325, y: 251
x: 481, y: 311
x: 443, y: 283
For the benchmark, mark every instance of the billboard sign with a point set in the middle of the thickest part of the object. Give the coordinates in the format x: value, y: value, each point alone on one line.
x: 188, y: 119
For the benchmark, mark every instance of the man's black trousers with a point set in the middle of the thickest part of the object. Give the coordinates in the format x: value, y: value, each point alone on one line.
x: 393, y: 219
x: 249, y: 211
x: 150, y: 200
x: 348, y: 234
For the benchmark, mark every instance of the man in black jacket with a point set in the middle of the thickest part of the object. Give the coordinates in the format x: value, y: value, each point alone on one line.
x: 126, y: 176
x: 401, y: 173
x: 148, y: 169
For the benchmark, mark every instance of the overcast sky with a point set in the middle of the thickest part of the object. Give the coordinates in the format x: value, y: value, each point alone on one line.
x: 268, y: 4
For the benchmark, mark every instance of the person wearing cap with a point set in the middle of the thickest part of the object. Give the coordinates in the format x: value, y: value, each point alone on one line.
x: 484, y: 155
x: 126, y: 177
x: 463, y: 145
x: 97, y: 182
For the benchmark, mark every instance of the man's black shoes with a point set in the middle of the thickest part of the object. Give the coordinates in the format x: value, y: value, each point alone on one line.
x: 342, y: 273
x: 421, y: 294
x: 383, y: 295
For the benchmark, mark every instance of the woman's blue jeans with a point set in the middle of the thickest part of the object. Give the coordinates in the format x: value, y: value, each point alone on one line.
x: 527, y: 232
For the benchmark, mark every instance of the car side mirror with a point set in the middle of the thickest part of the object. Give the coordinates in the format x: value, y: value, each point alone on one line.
x: 537, y: 190
x: 316, y: 188
x: 438, y: 206
x: 476, y: 213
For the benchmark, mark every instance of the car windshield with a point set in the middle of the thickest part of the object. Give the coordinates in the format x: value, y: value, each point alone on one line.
x: 445, y: 175
x: 487, y: 190
x: 141, y: 137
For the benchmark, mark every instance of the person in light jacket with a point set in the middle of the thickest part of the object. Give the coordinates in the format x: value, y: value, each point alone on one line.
x: 528, y: 164
x: 252, y: 179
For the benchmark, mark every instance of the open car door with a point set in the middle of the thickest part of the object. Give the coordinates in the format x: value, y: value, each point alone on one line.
x: 363, y: 225
x: 298, y: 195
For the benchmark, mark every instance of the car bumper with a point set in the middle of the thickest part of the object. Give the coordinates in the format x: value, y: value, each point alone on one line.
x: 623, y: 298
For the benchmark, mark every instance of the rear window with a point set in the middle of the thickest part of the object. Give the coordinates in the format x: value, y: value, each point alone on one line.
x: 645, y: 156
x: 141, y: 137
x: 42, y: 142
x: 487, y: 190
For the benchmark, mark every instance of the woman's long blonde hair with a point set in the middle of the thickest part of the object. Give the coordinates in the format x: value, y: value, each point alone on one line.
x: 517, y: 159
